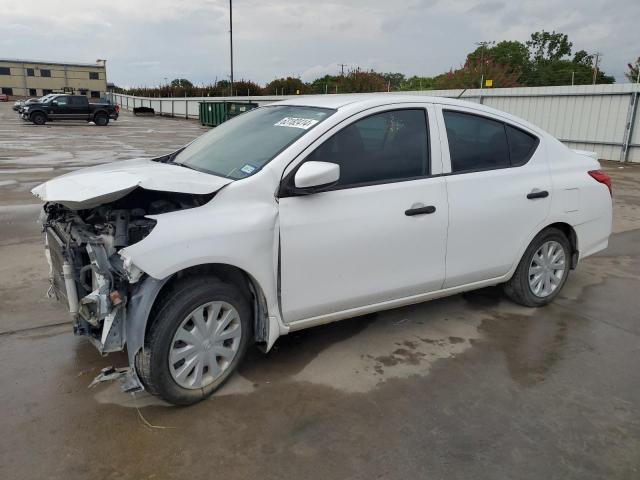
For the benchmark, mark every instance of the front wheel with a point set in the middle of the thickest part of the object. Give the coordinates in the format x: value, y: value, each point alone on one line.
x: 542, y: 271
x: 198, y: 338
x: 38, y: 118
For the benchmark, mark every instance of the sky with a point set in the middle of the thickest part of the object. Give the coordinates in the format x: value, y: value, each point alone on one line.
x: 146, y: 41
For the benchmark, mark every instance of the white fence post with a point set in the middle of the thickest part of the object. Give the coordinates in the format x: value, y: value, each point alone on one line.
x: 629, y: 126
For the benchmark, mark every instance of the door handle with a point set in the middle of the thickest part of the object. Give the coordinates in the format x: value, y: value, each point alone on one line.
x: 420, y: 211
x: 539, y: 194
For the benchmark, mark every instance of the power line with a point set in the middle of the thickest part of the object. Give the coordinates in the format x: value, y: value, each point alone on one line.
x: 342, y: 65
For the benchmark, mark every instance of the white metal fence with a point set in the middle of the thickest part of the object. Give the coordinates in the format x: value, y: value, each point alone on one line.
x: 602, y: 118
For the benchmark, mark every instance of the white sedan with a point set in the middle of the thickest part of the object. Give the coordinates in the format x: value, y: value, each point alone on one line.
x: 308, y: 211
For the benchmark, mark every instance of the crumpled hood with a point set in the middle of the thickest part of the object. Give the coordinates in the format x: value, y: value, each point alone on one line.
x: 93, y: 186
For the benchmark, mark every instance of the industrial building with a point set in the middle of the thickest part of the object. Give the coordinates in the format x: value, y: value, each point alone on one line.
x: 29, y: 78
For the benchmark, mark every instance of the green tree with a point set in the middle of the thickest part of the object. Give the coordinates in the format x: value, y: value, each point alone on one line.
x: 513, y: 55
x: 417, y: 83
x: 543, y: 60
x: 359, y: 81
x: 394, y: 80
x: 545, y: 46
x: 285, y: 86
x: 470, y: 74
x: 244, y: 88
x: 634, y: 68
x: 181, y: 82
x: 326, y: 84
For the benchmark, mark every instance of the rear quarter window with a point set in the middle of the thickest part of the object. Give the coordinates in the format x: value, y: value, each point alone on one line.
x: 521, y: 145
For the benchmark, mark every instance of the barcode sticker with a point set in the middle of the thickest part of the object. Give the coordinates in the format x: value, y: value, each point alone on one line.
x: 293, y: 122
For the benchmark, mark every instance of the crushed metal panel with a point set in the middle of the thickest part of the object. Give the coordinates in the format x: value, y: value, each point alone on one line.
x: 94, y: 186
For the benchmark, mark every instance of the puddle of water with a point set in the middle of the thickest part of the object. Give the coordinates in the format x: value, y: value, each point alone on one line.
x: 399, y: 344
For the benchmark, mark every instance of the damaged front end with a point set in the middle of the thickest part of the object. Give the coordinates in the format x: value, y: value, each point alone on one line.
x: 88, y: 271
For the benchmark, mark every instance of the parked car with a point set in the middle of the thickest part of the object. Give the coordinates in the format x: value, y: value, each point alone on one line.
x: 69, y: 107
x: 306, y: 212
x: 4, y: 97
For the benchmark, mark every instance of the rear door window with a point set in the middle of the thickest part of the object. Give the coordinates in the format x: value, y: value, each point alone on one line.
x: 475, y: 143
x: 78, y: 101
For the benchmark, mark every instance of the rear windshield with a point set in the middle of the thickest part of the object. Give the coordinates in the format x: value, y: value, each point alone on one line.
x: 242, y: 146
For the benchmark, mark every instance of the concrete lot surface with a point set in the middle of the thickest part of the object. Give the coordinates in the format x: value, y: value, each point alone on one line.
x: 471, y: 386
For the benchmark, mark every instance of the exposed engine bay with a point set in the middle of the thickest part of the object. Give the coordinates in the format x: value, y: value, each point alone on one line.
x: 85, y: 268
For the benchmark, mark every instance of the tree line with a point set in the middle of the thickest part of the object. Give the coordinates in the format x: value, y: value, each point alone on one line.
x: 546, y: 59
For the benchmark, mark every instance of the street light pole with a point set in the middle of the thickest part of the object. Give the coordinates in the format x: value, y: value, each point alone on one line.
x: 595, y: 66
x: 231, y: 41
x: 483, y: 45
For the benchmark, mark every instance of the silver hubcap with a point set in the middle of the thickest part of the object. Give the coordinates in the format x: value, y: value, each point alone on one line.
x: 204, y: 345
x: 546, y: 269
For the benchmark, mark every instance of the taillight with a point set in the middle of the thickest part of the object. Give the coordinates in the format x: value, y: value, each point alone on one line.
x: 117, y: 108
x: 602, y: 177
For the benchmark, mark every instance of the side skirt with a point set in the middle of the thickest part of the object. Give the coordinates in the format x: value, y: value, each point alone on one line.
x: 390, y: 304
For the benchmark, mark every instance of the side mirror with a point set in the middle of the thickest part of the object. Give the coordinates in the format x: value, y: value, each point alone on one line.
x: 313, y: 176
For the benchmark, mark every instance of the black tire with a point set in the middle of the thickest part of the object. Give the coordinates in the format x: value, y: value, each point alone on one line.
x: 101, y: 119
x: 152, y: 362
x: 38, y: 118
x: 518, y: 288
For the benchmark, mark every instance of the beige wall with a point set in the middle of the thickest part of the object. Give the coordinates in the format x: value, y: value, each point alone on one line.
x: 71, y: 76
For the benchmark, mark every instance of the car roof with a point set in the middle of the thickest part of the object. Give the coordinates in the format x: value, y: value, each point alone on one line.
x: 363, y: 101
x: 355, y: 99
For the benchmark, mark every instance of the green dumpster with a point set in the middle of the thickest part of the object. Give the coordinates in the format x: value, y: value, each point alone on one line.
x: 215, y: 113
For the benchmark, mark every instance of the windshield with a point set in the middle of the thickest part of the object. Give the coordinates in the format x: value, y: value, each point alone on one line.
x: 241, y: 147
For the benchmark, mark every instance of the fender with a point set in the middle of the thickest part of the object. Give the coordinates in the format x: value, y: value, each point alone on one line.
x: 38, y: 110
x: 144, y: 297
x: 139, y: 308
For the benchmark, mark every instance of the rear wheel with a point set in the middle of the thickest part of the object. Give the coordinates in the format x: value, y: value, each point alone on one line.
x: 38, y: 118
x: 101, y: 120
x: 199, y: 336
x: 542, y: 271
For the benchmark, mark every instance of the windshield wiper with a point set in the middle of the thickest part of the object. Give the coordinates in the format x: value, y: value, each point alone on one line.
x: 173, y: 155
x: 185, y: 166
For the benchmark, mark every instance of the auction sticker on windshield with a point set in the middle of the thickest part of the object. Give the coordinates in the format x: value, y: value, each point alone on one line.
x: 294, y: 122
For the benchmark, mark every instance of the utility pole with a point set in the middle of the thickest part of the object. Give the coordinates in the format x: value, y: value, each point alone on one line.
x: 231, y: 42
x: 342, y: 65
x: 595, y: 66
x: 483, y: 45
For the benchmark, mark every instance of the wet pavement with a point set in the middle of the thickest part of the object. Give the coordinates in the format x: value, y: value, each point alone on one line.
x: 471, y: 386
